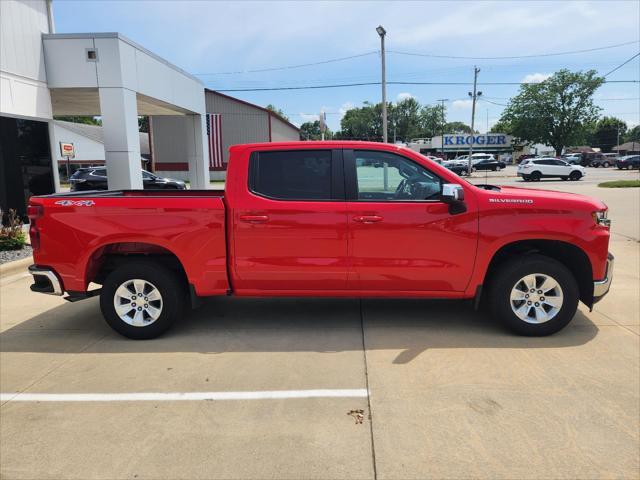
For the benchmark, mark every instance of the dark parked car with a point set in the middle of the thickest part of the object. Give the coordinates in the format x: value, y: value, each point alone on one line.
x: 95, y: 178
x: 492, y: 165
x: 605, y: 160
x: 458, y: 168
x: 628, y: 161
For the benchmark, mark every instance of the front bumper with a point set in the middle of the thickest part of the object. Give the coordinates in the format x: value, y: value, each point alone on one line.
x: 601, y: 287
x: 45, y: 280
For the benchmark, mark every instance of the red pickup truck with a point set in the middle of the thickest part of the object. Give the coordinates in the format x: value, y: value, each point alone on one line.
x: 324, y: 219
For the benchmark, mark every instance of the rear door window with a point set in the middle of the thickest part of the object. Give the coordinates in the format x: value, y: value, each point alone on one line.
x: 292, y: 175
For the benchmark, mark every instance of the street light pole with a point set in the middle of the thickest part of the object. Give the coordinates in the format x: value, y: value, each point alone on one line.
x: 442, y: 100
x: 382, y: 32
x: 474, y: 96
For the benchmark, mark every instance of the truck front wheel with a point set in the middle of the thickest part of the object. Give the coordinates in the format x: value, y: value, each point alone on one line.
x: 141, y: 299
x: 534, y: 295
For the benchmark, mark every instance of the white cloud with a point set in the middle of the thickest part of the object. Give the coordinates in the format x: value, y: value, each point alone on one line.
x: 345, y: 106
x: 462, y: 104
x: 403, y: 96
x: 535, y: 77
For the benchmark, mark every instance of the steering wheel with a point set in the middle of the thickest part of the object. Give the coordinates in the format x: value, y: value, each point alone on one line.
x: 402, y: 186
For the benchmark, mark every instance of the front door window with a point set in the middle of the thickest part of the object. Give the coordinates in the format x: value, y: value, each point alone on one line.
x: 385, y: 176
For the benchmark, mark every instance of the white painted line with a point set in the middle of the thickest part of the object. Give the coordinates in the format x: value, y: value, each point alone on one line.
x: 180, y: 396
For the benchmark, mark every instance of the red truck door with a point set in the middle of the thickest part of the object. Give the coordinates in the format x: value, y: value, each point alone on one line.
x: 290, y: 225
x: 402, y: 237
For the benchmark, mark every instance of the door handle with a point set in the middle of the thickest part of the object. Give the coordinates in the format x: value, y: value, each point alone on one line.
x: 254, y: 218
x: 367, y: 218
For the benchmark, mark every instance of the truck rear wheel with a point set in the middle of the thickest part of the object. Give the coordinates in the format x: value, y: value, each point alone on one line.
x: 534, y: 295
x: 141, y: 299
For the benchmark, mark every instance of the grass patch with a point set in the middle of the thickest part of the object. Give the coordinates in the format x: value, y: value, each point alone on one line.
x: 620, y: 184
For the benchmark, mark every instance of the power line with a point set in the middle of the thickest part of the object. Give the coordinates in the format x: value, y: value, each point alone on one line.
x: 431, y: 55
x: 290, y: 67
x: 375, y: 52
x: 341, y: 85
x: 493, y: 103
x: 621, y: 65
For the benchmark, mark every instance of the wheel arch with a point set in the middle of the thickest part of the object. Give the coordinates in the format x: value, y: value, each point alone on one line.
x: 106, y: 258
x: 571, y: 256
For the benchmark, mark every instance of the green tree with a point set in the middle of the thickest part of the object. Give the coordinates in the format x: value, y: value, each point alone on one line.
x: 79, y: 119
x: 404, y: 120
x: 311, y: 131
x: 407, y: 119
x: 143, y: 124
x: 606, y: 133
x: 555, y: 112
x: 277, y: 111
x: 501, y: 127
x: 432, y: 120
x: 457, y: 127
x: 633, y: 135
x: 363, y: 123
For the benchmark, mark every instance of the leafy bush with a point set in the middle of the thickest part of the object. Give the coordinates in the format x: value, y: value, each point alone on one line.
x: 11, y: 235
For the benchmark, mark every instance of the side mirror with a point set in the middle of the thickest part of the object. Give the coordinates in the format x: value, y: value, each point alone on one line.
x: 452, y: 192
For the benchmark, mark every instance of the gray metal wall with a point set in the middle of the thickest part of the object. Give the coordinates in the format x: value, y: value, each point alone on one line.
x: 282, y: 131
x: 241, y: 123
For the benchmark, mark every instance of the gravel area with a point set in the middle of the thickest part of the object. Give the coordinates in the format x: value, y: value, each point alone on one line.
x: 11, y: 255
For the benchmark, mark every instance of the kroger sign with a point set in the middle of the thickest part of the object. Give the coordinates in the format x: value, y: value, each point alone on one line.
x: 461, y: 140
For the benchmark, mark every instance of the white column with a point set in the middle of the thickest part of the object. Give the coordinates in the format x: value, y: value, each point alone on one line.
x: 197, y: 151
x: 53, y: 145
x: 119, y: 112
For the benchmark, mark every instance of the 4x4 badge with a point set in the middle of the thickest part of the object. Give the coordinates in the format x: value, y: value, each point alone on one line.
x: 76, y: 203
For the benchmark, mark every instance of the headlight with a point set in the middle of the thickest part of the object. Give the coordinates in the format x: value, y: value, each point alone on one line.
x: 600, y: 217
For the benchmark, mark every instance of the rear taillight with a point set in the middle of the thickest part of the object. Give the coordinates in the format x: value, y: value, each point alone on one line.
x: 34, y: 212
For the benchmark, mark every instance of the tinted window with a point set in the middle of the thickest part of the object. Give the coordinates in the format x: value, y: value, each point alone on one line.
x: 147, y: 176
x: 100, y: 172
x: 292, y: 175
x: 389, y: 177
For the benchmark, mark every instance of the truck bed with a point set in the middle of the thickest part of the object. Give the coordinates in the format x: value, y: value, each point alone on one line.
x: 79, y: 230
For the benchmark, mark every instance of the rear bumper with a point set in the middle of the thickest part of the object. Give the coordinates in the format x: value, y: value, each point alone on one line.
x: 45, y: 280
x: 601, y: 287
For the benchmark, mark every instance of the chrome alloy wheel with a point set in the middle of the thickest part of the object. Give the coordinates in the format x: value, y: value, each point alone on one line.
x: 138, y: 302
x: 536, y: 298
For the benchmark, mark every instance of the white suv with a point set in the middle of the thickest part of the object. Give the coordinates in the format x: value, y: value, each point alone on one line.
x: 536, y: 168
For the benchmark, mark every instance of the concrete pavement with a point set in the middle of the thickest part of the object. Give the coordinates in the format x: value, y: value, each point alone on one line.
x: 452, y: 395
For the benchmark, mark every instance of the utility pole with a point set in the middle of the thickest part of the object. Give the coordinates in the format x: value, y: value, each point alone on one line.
x: 442, y: 100
x: 474, y: 96
x: 382, y: 32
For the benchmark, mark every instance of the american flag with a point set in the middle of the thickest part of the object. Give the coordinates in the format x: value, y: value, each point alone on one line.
x: 214, y: 132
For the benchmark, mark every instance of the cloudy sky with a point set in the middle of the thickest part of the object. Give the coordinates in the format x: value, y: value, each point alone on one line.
x: 221, y: 42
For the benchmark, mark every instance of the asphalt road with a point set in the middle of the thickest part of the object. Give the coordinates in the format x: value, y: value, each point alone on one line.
x: 447, y: 392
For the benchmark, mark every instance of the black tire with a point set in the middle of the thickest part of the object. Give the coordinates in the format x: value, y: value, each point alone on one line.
x: 575, y: 176
x: 535, y: 176
x: 166, y: 281
x: 507, y: 277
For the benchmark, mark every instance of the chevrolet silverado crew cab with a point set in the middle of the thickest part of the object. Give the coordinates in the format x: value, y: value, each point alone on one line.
x: 324, y: 219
